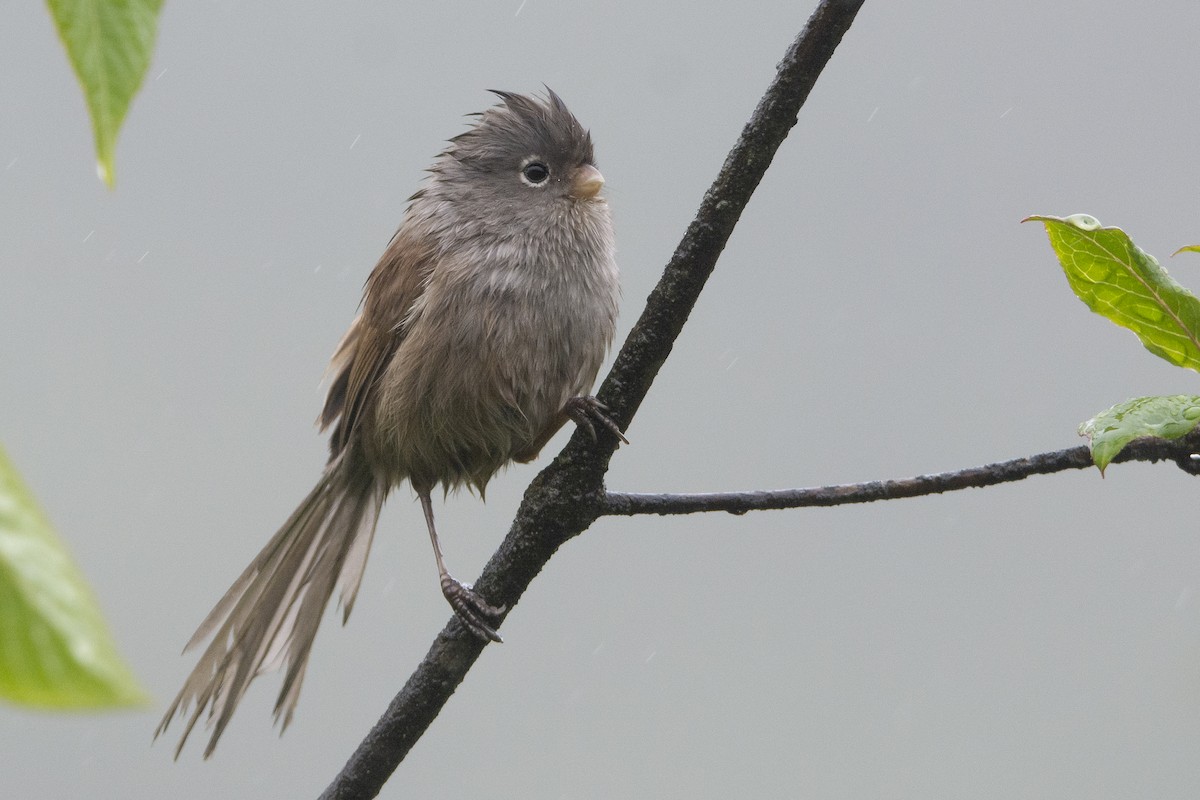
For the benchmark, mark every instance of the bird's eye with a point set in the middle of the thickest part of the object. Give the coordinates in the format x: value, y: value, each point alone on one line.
x: 535, y: 173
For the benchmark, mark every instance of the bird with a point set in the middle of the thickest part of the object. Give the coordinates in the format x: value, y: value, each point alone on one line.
x: 480, y: 331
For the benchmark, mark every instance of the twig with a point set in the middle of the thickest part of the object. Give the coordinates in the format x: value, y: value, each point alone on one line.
x: 624, y: 504
x: 568, y: 495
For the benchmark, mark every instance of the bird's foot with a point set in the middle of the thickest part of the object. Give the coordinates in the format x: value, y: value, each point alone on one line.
x: 479, y: 616
x: 586, y: 410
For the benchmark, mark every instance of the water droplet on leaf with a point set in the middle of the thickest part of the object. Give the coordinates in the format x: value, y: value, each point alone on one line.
x: 1085, y: 222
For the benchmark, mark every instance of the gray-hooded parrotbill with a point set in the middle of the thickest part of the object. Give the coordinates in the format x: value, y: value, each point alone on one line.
x: 481, y: 330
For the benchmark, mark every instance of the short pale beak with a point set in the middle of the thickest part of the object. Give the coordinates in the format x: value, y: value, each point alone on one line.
x: 586, y: 182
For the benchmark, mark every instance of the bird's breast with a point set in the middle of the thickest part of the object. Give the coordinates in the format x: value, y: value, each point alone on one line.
x: 491, y: 353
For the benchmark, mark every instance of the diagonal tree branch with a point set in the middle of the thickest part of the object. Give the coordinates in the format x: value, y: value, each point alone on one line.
x: 1181, y: 451
x: 569, y: 495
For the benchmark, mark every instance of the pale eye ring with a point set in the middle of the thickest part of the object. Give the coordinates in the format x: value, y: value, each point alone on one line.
x: 535, y: 172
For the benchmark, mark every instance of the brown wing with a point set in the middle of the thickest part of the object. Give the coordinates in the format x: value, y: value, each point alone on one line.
x: 364, y: 352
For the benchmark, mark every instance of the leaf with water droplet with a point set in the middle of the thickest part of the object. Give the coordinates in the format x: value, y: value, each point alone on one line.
x: 1122, y: 282
x: 55, y: 650
x: 1162, y: 417
x: 109, y: 44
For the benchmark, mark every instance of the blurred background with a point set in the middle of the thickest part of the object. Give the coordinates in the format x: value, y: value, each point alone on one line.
x: 878, y: 313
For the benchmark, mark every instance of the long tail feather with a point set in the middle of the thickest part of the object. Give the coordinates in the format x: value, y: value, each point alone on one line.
x: 269, y: 617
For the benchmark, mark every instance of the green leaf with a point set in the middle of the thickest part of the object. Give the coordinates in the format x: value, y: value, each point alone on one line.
x: 1190, y: 248
x: 1120, y: 281
x: 1162, y: 417
x: 55, y: 650
x: 109, y: 44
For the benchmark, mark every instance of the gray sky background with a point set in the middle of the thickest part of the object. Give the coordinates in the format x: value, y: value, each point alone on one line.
x: 879, y: 313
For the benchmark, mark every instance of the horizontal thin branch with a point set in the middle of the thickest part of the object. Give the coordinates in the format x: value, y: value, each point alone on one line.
x: 623, y: 504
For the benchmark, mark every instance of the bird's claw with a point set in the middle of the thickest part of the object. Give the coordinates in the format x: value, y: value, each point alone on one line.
x: 586, y: 410
x: 476, y: 614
